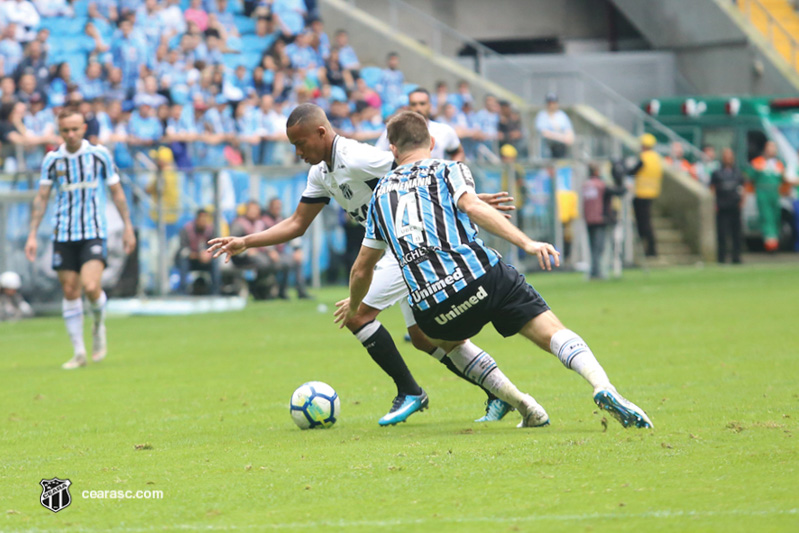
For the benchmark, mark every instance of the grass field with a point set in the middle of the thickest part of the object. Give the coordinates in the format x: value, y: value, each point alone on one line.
x: 197, y: 407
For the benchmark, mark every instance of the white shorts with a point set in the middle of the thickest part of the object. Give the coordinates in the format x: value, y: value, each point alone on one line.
x: 388, y: 287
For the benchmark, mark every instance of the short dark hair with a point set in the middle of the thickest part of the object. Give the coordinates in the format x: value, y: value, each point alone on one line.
x: 68, y: 111
x: 407, y: 130
x: 305, y: 112
x: 419, y: 90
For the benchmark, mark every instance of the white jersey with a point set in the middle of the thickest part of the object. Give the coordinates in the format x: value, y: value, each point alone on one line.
x: 356, y: 169
x: 447, y: 141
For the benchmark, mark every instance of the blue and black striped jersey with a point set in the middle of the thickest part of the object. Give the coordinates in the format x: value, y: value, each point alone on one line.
x: 80, y: 179
x: 414, y: 212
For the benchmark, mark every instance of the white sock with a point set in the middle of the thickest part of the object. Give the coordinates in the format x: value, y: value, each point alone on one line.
x: 481, y: 368
x: 98, y: 308
x: 439, y: 353
x: 72, y: 311
x: 575, y: 354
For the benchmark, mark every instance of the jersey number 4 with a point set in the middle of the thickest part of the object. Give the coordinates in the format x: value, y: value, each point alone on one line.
x: 412, y: 229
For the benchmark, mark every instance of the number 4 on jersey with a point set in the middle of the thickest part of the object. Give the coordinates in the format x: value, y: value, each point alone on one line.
x: 413, y: 228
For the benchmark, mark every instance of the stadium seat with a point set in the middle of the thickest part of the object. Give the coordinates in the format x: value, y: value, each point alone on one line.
x: 371, y: 75
x: 337, y: 94
x: 81, y: 8
x: 246, y: 25
x: 231, y: 61
x: 253, y: 43
x: 252, y: 59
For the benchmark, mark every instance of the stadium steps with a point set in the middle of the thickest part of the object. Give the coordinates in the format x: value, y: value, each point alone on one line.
x: 778, y: 21
x: 671, y: 246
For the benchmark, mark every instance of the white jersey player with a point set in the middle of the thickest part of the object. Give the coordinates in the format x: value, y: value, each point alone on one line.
x: 447, y: 144
x: 348, y: 171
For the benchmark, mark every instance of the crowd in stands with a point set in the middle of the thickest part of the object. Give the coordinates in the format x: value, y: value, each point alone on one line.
x: 213, y: 80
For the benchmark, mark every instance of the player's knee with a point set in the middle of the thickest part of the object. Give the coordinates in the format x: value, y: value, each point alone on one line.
x: 92, y: 289
x: 420, y: 340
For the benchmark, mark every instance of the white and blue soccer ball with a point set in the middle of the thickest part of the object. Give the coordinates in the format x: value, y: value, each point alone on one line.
x: 314, y: 405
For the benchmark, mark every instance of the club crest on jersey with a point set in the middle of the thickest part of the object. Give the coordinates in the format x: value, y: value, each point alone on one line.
x: 346, y: 191
x: 60, y: 168
x: 55, y: 494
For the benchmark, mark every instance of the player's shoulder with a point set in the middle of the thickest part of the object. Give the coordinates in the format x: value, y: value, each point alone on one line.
x: 436, y: 126
x: 351, y: 149
x: 98, y: 149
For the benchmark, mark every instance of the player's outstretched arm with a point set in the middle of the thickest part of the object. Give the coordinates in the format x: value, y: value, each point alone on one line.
x: 360, y: 280
x: 37, y: 213
x: 118, y: 197
x: 489, y: 219
x: 294, y: 226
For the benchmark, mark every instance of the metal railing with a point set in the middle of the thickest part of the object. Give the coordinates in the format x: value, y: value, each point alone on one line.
x: 774, y: 28
x: 574, y: 87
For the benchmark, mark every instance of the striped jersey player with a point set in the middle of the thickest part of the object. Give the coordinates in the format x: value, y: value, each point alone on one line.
x: 80, y: 173
x: 423, y: 212
x: 347, y: 171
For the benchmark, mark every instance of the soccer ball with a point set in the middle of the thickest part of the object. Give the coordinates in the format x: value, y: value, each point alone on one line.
x: 314, y: 405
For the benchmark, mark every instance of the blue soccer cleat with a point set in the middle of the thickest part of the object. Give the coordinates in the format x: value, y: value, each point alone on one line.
x: 496, y: 410
x: 626, y: 412
x: 404, y: 406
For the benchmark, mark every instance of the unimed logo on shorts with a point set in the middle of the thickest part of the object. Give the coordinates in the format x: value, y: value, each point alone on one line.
x: 457, y: 310
x: 55, y: 494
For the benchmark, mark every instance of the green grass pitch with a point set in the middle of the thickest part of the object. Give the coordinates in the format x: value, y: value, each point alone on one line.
x: 197, y: 407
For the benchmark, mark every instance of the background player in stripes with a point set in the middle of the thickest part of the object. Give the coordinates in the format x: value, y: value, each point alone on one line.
x: 423, y: 211
x: 348, y: 171
x: 79, y: 172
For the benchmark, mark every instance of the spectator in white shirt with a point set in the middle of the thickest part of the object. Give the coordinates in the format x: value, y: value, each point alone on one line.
x: 555, y: 128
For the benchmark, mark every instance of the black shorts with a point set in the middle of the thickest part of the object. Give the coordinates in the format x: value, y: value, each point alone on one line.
x: 73, y: 255
x: 501, y: 296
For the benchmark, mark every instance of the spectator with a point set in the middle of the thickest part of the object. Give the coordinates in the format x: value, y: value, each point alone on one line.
x: 347, y: 56
x: 677, y: 161
x: 291, y: 14
x: 555, y: 128
x: 510, y: 127
x: 439, y: 99
x: 10, y: 50
x: 513, y: 177
x: 171, y: 20
x: 12, y: 305
x: 27, y: 88
x: 463, y: 96
x: 289, y: 259
x: 179, y: 132
x: 767, y: 173
x: 92, y: 86
x: 367, y: 94
x: 486, y: 123
x: 33, y: 62
x: 144, y: 130
x: 129, y: 52
x: 92, y: 44
x: 14, y: 136
x: 196, y: 14
x: 149, y: 94
x: 271, y: 129
x: 23, y: 14
x: 727, y: 183
x: 301, y: 54
x: 8, y: 90
x: 263, y: 261
x: 340, y: 118
x: 164, y: 187
x: 368, y: 123
x: 54, y: 8
x: 103, y: 10
x: 392, y: 81
x: 114, y: 88
x: 707, y: 165
x: 40, y: 130
x: 191, y: 255
x: 648, y: 172
x: 265, y: 35
x: 598, y: 214
x: 458, y: 122
x: 60, y: 84
x: 335, y: 74
x: 319, y: 39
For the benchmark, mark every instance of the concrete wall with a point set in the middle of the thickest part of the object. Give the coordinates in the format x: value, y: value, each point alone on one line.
x: 716, y: 50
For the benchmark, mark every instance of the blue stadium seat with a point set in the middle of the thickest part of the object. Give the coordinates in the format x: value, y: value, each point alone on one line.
x: 253, y: 43
x: 337, y: 94
x: 231, y: 61
x: 81, y: 8
x: 246, y: 25
x: 252, y: 59
x: 371, y: 75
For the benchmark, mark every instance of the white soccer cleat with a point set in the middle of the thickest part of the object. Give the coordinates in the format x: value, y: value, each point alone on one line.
x: 77, y: 361
x: 98, y: 342
x: 533, y: 415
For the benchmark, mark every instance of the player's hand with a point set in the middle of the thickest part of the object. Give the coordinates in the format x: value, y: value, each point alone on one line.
x: 226, y: 245
x: 343, y: 312
x: 544, y: 250
x: 129, y: 240
x: 30, y: 248
x: 499, y: 201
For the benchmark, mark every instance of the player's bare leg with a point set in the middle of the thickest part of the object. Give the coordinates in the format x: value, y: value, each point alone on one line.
x: 378, y: 342
x: 496, y: 409
x: 91, y: 274
x: 481, y: 368
x: 72, y: 311
x: 546, y: 331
